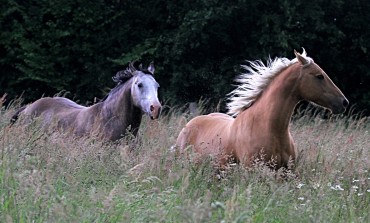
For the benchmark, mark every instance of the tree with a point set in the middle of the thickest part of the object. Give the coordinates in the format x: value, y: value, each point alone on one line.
x: 197, y: 45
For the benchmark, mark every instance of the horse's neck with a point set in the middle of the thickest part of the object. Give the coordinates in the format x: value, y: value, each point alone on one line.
x: 275, y: 106
x: 121, y: 110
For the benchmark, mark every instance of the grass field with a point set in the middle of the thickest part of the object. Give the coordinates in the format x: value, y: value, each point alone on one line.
x: 55, y: 178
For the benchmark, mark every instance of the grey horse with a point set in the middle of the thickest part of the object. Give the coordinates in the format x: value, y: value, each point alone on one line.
x: 121, y: 110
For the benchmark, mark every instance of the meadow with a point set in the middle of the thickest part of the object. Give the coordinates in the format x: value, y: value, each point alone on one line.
x: 52, y: 177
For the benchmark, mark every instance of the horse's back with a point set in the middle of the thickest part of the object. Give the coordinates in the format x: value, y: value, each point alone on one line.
x: 67, y: 103
x: 52, y: 105
x: 58, y: 110
x: 206, y: 133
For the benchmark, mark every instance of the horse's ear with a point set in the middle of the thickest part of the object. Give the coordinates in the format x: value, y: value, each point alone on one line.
x: 300, y: 58
x: 151, y: 68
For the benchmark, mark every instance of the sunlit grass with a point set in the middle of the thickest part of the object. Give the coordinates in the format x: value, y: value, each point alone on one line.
x: 50, y: 177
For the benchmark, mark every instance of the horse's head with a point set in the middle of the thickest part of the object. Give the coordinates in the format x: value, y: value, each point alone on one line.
x: 316, y: 86
x: 144, y: 91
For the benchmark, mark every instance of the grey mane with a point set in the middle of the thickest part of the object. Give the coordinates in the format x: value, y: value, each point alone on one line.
x: 123, y: 76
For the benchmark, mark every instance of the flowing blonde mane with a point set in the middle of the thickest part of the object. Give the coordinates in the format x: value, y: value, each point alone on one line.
x: 254, y: 80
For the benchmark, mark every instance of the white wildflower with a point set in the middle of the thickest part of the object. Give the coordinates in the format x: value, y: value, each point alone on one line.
x: 337, y: 187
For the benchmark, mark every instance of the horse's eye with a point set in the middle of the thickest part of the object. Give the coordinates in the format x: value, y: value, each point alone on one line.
x: 320, y: 77
x: 140, y: 85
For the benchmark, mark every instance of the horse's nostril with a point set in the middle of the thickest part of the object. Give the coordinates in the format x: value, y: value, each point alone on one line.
x: 345, y: 102
x: 151, y: 108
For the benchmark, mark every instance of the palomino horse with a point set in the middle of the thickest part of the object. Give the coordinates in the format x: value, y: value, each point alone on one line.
x: 263, y: 104
x: 120, y: 110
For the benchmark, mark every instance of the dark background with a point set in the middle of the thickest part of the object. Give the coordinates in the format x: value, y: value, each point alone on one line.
x: 76, y: 46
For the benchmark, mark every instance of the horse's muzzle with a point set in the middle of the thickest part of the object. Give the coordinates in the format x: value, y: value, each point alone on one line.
x: 155, y: 111
x: 341, y: 106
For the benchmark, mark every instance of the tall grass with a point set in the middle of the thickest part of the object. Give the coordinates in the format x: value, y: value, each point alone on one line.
x: 51, y: 177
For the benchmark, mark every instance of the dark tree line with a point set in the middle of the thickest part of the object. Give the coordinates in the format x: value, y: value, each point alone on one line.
x: 76, y: 46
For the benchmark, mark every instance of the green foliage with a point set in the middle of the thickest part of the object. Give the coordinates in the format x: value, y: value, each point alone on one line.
x: 50, y: 46
x: 197, y: 46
